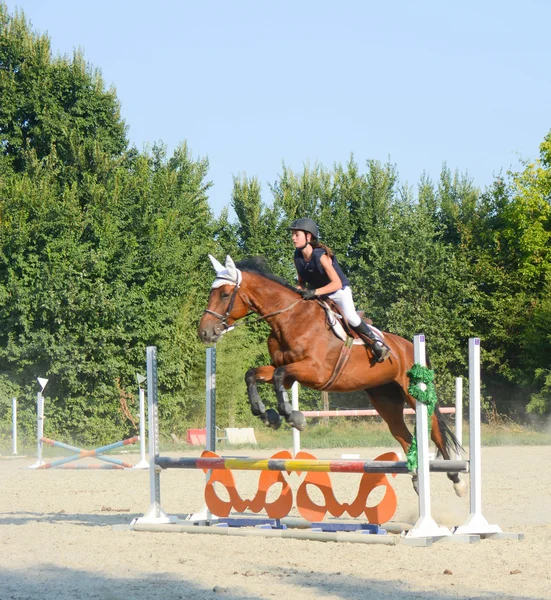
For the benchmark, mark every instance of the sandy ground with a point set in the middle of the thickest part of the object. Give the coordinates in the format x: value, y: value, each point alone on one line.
x: 57, y: 540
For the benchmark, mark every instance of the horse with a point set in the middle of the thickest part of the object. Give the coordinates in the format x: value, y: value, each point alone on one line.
x: 303, y: 348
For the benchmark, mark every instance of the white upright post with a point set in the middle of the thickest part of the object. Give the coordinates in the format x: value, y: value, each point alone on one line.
x: 475, y: 523
x: 14, y: 425
x: 296, y: 432
x: 143, y: 464
x: 155, y: 513
x: 426, y: 526
x: 210, y: 426
x: 39, y: 423
x: 459, y: 413
x: 210, y: 389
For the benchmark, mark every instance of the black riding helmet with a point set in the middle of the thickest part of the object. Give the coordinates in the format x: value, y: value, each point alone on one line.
x: 305, y: 224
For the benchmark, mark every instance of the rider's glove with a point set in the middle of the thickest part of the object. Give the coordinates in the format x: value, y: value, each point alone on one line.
x: 308, y: 294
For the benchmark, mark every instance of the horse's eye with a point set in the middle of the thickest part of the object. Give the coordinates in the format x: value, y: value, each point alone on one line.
x: 224, y: 295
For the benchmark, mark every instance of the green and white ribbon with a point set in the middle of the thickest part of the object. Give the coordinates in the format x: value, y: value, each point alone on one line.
x: 421, y: 387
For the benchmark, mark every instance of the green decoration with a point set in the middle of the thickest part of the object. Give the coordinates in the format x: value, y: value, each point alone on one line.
x: 421, y: 387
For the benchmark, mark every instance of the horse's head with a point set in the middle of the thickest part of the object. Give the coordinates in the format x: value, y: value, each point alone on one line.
x: 225, y: 304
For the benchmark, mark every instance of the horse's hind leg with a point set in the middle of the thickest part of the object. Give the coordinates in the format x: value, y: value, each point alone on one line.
x: 443, y: 438
x: 390, y: 407
x: 388, y: 402
x: 261, y: 375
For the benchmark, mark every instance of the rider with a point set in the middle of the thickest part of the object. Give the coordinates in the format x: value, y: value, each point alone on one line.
x: 318, y: 267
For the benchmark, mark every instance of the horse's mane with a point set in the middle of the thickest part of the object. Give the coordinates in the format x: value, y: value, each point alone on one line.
x: 259, y: 265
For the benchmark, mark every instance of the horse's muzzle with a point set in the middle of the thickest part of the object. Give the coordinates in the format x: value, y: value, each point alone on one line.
x: 207, y: 337
x: 210, y: 335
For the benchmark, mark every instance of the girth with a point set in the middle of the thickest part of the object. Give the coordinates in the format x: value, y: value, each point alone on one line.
x: 346, y: 351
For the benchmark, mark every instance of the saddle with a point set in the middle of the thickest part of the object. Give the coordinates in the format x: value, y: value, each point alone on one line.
x: 340, y: 326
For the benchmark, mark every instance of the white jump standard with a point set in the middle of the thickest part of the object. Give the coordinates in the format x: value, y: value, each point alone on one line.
x: 39, y: 423
x: 476, y: 523
x: 66, y: 463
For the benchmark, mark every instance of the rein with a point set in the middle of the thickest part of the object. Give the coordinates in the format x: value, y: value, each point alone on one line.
x: 346, y: 349
x: 278, y: 312
x: 224, y: 318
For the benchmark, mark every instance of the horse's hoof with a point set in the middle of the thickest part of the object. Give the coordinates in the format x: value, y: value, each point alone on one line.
x: 297, y: 420
x: 285, y: 410
x: 273, y: 420
x: 259, y: 410
x: 460, y: 488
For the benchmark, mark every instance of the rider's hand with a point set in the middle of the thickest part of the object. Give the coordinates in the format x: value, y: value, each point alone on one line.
x: 308, y: 294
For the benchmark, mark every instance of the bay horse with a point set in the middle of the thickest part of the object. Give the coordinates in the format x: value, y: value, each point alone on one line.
x: 303, y: 348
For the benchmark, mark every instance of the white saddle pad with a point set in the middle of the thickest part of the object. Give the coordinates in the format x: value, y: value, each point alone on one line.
x: 334, y: 321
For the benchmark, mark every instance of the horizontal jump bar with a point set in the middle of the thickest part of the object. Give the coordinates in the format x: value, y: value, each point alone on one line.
x: 368, y: 412
x: 297, y: 534
x: 307, y: 465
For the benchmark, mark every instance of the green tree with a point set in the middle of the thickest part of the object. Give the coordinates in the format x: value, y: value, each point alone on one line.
x: 102, y: 249
x: 93, y: 272
x: 257, y: 225
x: 53, y: 104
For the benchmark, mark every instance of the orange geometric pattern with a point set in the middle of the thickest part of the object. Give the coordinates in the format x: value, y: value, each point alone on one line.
x: 382, y: 512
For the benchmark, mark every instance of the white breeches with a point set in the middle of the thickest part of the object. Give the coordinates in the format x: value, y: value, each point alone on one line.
x: 346, y: 303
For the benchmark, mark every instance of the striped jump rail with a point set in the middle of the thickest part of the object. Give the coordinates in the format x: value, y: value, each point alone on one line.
x: 115, y: 463
x: 306, y: 465
x: 70, y: 467
x: 368, y: 412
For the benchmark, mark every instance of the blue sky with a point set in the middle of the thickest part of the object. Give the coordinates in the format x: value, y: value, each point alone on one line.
x: 253, y: 84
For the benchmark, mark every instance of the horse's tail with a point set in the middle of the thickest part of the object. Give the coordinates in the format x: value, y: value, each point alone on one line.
x: 451, y: 443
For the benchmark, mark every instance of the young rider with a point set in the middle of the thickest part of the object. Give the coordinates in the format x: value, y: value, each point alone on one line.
x: 318, y: 268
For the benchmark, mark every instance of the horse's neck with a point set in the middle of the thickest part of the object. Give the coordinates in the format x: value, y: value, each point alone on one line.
x: 267, y: 296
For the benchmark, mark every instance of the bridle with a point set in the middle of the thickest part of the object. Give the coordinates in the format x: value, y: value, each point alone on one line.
x: 224, y: 318
x: 223, y: 326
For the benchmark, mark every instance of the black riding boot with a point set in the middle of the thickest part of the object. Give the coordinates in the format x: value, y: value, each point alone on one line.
x: 380, y: 349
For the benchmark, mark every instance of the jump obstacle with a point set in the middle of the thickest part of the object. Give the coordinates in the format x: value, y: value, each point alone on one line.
x: 66, y: 463
x: 14, y: 425
x: 63, y: 463
x: 425, y: 530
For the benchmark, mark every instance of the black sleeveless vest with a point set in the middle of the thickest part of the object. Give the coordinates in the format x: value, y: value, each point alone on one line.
x: 312, y: 272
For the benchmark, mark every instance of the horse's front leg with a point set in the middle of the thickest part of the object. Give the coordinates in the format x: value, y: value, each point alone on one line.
x: 261, y: 375
x: 283, y: 378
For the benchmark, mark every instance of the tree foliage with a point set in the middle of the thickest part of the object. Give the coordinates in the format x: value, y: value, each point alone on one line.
x: 103, y: 251
x: 101, y: 247
x: 449, y: 260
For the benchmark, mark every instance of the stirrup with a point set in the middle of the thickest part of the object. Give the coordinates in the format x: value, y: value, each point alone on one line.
x: 381, y: 351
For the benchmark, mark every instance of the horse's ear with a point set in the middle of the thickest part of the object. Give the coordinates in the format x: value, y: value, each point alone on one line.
x: 218, y: 266
x: 230, y: 266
